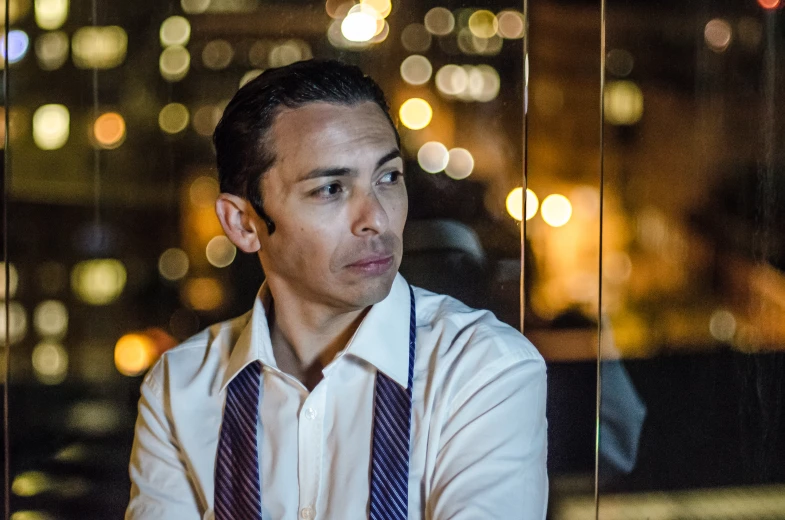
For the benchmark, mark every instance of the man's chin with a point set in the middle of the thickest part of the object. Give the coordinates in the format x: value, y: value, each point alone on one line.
x: 371, y: 290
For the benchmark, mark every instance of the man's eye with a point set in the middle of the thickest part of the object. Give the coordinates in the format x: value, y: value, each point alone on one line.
x: 328, y: 191
x: 391, y: 177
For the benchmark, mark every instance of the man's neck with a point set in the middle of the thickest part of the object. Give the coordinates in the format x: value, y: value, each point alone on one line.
x: 313, y: 330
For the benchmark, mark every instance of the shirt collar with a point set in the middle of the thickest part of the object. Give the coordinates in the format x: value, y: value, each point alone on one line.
x: 382, y: 339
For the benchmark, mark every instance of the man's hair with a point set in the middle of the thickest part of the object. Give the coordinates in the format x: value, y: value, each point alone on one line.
x: 242, y: 137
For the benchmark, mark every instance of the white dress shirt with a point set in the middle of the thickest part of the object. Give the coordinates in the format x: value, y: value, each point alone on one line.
x: 478, y: 439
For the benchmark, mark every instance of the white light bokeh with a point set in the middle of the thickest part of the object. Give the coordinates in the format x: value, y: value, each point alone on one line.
x: 173, y: 264
x: 460, y: 164
x: 220, y: 251
x: 174, y: 63
x: 556, y: 210
x: 13, y: 281
x: 416, y: 70
x: 718, y: 34
x: 51, y: 14
x: 361, y: 24
x: 511, y: 24
x: 50, y: 362
x: 722, y: 325
x: 194, y: 6
x: 433, y: 157
x: 51, y: 50
x: 175, y: 30
x: 51, y: 126
x: 439, y: 21
x: 50, y: 319
x: 17, y: 316
x: 217, y: 54
x: 452, y: 80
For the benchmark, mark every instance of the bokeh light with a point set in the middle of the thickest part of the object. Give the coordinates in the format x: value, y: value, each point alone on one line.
x: 532, y: 204
x: 50, y: 362
x: 173, y: 264
x: 717, y: 34
x: 175, y: 30
x: 460, y: 164
x: 17, y: 316
x: 205, y: 119
x: 623, y: 103
x: 433, y: 157
x: 203, y: 192
x: 439, y: 21
x: 99, y: 47
x: 511, y: 24
x: 452, y: 80
x: 483, y: 83
x: 514, y: 203
x: 416, y: 38
x: 50, y: 319
x: 174, y: 63
x: 109, y: 130
x: 98, y: 282
x: 416, y: 70
x: 616, y: 266
x: 338, y: 9
x: 18, y: 44
x: 194, y: 6
x: 203, y: 294
x: 415, y: 113
x: 722, y: 325
x: 769, y: 4
x: 173, y: 118
x: 217, y: 54
x: 288, y: 52
x: 248, y: 76
x: 383, y: 7
x: 133, y: 354
x: 556, y: 210
x: 220, y: 251
x: 483, y: 24
x: 51, y: 14
x: 361, y: 24
x: 51, y: 50
x: 619, y: 62
x: 31, y: 483
x: 13, y: 281
x: 51, y: 126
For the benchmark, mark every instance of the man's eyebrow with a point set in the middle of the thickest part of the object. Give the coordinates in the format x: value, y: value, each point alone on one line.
x: 341, y: 172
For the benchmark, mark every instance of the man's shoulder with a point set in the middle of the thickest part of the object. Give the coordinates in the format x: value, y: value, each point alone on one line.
x: 465, y: 334
x: 206, y: 350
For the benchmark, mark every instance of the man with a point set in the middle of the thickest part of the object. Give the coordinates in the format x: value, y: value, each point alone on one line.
x: 343, y: 394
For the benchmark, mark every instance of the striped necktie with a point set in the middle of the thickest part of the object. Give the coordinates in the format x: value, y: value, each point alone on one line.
x: 237, y: 482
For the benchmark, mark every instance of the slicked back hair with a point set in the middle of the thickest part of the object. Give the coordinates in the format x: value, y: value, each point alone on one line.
x: 242, y: 137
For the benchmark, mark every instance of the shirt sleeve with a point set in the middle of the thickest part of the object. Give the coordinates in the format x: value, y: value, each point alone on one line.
x: 160, y: 486
x: 492, y: 457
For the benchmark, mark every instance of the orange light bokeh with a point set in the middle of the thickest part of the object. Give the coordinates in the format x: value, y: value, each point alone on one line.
x: 109, y: 130
x: 769, y: 4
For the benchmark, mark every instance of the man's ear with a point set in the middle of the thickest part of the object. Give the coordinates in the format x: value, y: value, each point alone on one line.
x: 239, y: 222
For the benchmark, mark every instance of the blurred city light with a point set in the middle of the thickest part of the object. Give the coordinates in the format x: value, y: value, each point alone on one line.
x: 50, y: 362
x: 99, y: 47
x: 717, y: 34
x: 204, y: 191
x: 415, y: 113
x: 174, y: 63
x: 585, y: 201
x: 460, y: 164
x: 416, y: 38
x: 452, y: 80
x: 175, y: 30
x: 483, y: 24
x: 194, y: 6
x: 416, y: 70
x: 338, y: 9
x: 51, y: 14
x: 439, y: 21
x: 769, y: 4
x: 623, y: 103
x: 133, y: 354
x: 205, y: 119
x: 220, y: 251
x: 13, y: 281
x: 203, y: 294
x: 288, y: 52
x: 433, y: 157
x: 556, y: 210
x: 532, y: 204
x: 94, y: 417
x: 51, y: 126
x: 722, y: 325
x: 361, y: 24
x: 248, y: 76
x: 383, y: 7
x: 173, y: 118
x: 98, y: 282
x: 31, y: 483
x: 50, y: 319
x: 514, y: 203
x: 25, y: 514
x: 18, y: 44
x: 217, y: 54
x: 511, y: 24
x: 484, y: 83
x: 109, y: 130
x: 173, y: 264
x: 619, y: 62
x: 51, y: 50
x: 17, y: 316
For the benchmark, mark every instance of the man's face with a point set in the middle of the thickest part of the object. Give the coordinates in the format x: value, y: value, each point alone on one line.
x: 338, y: 200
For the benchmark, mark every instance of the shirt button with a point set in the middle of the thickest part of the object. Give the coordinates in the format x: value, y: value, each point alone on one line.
x: 307, y: 513
x: 310, y: 414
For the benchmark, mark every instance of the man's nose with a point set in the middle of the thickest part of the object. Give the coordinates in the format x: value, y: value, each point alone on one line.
x: 369, y: 216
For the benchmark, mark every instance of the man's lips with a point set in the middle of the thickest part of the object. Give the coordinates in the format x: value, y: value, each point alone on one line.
x: 374, y: 260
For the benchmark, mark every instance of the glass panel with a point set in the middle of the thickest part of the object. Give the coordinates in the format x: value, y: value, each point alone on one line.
x: 693, y: 282
x: 115, y: 252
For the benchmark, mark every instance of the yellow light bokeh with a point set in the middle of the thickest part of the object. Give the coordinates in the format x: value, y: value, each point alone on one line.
x: 220, y: 251
x: 99, y: 47
x: 415, y: 113
x: 173, y: 264
x: 203, y: 294
x: 98, y: 282
x: 133, y: 354
x: 17, y: 316
x: 51, y: 50
x: 50, y: 318
x: 51, y: 126
x: 532, y: 204
x: 13, y: 281
x: 383, y: 7
x: 514, y: 204
x: 556, y: 210
x: 51, y: 14
x: 204, y: 191
x: 174, y: 63
x: 623, y: 103
x: 175, y: 30
x: 483, y: 24
x: 109, y: 130
x: 50, y: 362
x: 173, y: 118
x: 433, y: 157
x: 31, y: 483
x: 361, y: 24
x: 194, y: 6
